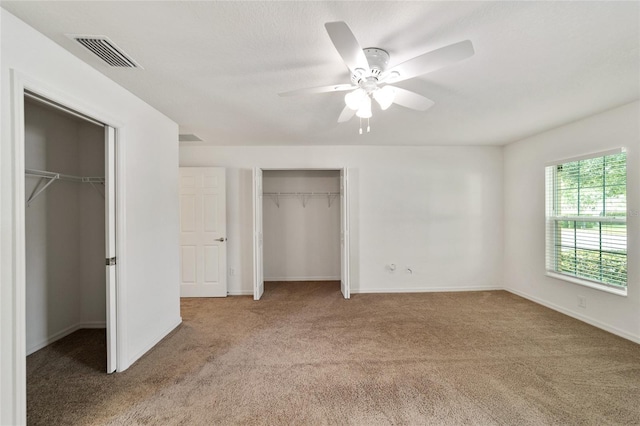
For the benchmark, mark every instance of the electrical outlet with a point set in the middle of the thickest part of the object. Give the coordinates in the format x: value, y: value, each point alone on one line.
x: 582, y: 302
x: 232, y: 272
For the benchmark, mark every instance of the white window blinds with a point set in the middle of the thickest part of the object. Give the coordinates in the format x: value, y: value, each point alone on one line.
x: 586, y: 225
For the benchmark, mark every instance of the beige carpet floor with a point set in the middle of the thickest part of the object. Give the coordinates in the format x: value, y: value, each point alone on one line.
x: 304, y: 355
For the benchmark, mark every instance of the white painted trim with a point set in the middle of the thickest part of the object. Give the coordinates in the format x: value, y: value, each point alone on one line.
x: 424, y: 289
x: 322, y: 278
x: 19, y: 83
x: 587, y: 283
x: 254, y: 245
x: 345, y: 233
x: 64, y: 333
x: 614, y: 330
x: 240, y: 293
x: 154, y: 341
x: 121, y: 252
x: 19, y: 253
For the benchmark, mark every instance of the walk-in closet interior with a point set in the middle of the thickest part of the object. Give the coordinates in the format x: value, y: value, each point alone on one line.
x: 64, y: 225
x: 301, y: 222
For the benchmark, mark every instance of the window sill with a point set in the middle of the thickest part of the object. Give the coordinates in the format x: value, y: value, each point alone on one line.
x: 587, y: 283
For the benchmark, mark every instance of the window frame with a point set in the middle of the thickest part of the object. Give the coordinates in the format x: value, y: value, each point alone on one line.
x: 552, y: 221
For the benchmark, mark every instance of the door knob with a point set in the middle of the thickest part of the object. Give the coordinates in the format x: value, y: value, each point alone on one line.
x: 221, y: 239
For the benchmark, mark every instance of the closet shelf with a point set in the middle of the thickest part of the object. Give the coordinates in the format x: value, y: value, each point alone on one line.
x: 50, y: 177
x: 303, y: 196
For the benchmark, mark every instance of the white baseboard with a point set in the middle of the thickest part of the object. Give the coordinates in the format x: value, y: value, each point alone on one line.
x: 63, y: 333
x: 153, y: 342
x: 614, y: 330
x: 424, y: 289
x: 240, y: 293
x: 322, y: 278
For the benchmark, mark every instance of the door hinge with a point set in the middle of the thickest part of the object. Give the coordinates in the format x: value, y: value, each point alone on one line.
x: 110, y: 261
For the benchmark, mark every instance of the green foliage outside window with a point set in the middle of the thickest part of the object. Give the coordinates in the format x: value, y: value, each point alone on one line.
x: 593, y: 187
x: 588, y: 264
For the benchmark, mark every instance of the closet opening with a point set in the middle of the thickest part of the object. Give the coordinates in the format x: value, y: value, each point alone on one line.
x: 70, y: 260
x: 301, y: 230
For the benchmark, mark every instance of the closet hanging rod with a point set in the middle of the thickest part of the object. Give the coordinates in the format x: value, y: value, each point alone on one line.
x: 324, y: 194
x: 303, y: 196
x: 53, y: 176
x: 62, y: 176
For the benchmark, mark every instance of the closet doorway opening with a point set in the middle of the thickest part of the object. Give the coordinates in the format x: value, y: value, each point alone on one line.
x: 69, y: 233
x: 301, y: 227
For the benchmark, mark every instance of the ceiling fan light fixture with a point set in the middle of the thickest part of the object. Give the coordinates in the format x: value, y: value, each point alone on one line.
x: 355, y: 99
x: 384, y: 96
x: 365, y: 108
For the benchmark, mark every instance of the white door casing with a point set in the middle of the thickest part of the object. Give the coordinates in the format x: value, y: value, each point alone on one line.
x: 13, y: 385
x: 110, y: 243
x: 258, y: 255
x: 345, y: 284
x: 203, y: 250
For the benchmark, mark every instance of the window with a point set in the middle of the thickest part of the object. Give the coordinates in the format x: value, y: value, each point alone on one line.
x: 586, y: 209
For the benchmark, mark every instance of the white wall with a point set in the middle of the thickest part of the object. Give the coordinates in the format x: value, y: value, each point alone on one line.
x: 65, y: 279
x: 524, y: 271
x: 301, y: 243
x: 149, y: 263
x: 436, y: 210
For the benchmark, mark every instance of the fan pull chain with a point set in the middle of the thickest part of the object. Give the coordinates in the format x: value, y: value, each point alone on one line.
x: 368, y: 126
x: 360, y: 125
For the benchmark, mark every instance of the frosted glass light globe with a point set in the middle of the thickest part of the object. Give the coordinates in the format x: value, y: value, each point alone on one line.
x: 354, y: 99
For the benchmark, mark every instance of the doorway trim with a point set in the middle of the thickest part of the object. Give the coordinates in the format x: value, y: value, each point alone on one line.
x: 345, y: 225
x: 19, y: 84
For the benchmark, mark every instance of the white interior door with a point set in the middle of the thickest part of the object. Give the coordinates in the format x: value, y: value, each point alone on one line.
x: 110, y: 238
x: 203, y: 230
x: 258, y: 264
x: 345, y: 284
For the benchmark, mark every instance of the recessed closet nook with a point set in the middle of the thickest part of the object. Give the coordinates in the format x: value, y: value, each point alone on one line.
x: 65, y: 226
x: 301, y: 225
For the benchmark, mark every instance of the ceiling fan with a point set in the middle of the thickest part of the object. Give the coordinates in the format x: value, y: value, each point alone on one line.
x: 371, y: 77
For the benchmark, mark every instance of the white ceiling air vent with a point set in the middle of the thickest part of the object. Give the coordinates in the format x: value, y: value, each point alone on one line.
x: 106, y: 50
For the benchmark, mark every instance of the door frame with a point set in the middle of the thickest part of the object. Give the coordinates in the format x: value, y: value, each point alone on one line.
x: 19, y: 84
x: 345, y: 218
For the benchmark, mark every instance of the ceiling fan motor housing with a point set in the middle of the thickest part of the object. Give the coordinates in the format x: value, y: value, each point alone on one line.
x: 378, y: 60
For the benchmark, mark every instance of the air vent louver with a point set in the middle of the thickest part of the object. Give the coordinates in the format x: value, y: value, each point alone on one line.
x: 106, y: 50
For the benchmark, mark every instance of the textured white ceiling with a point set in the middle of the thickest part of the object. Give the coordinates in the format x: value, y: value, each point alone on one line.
x: 216, y: 67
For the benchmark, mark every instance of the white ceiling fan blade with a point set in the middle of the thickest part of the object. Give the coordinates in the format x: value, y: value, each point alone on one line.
x: 347, y: 46
x: 346, y: 114
x: 430, y: 61
x: 411, y: 100
x: 321, y: 89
